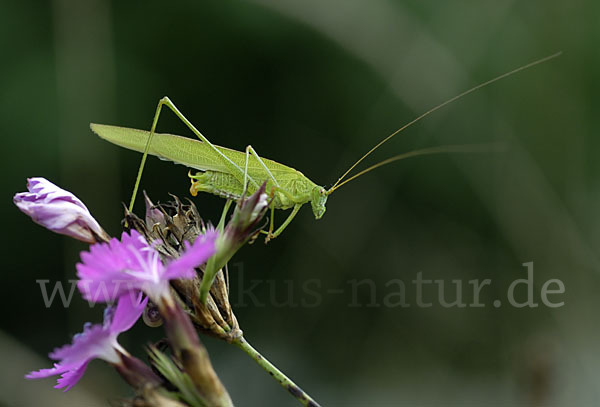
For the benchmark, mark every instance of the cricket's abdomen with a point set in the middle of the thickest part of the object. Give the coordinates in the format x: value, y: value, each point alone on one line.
x: 226, y: 186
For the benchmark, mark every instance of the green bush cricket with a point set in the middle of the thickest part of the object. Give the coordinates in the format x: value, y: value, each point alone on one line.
x: 229, y: 173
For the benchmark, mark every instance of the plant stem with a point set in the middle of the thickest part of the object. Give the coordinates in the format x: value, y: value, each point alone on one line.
x: 277, y: 374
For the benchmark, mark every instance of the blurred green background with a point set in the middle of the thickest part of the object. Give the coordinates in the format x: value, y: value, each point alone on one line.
x: 315, y: 84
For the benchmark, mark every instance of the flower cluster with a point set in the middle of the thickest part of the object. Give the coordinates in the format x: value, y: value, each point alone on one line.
x: 128, y: 271
x: 168, y: 267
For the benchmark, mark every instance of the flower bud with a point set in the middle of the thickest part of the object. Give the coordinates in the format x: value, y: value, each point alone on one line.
x: 244, y: 224
x: 59, y: 211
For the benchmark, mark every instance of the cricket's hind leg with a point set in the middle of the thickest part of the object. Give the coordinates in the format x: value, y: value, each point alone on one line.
x: 232, y: 167
x: 251, y: 150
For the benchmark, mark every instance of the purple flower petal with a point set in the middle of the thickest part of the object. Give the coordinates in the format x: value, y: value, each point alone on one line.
x: 93, y: 343
x: 94, y: 340
x: 97, y: 341
x: 42, y: 373
x: 111, y: 270
x: 71, y: 377
x: 129, y: 309
x: 194, y: 256
x: 58, y: 210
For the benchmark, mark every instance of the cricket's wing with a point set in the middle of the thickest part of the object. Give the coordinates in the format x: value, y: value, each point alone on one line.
x: 178, y: 149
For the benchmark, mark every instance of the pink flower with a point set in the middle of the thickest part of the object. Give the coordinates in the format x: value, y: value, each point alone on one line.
x: 97, y: 341
x: 112, y: 269
x: 58, y: 210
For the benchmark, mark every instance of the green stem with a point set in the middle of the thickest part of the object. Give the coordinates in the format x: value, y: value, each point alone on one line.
x: 226, y: 207
x: 277, y: 374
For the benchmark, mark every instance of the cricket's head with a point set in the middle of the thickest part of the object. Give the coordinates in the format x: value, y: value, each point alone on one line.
x: 319, y: 198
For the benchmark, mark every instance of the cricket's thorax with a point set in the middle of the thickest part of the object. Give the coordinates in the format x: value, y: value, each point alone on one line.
x: 227, y: 186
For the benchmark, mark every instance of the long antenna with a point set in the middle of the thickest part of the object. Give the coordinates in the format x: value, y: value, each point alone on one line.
x: 427, y: 113
x: 465, y: 148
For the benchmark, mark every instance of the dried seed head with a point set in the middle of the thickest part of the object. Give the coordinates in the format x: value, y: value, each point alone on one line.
x: 167, y: 226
